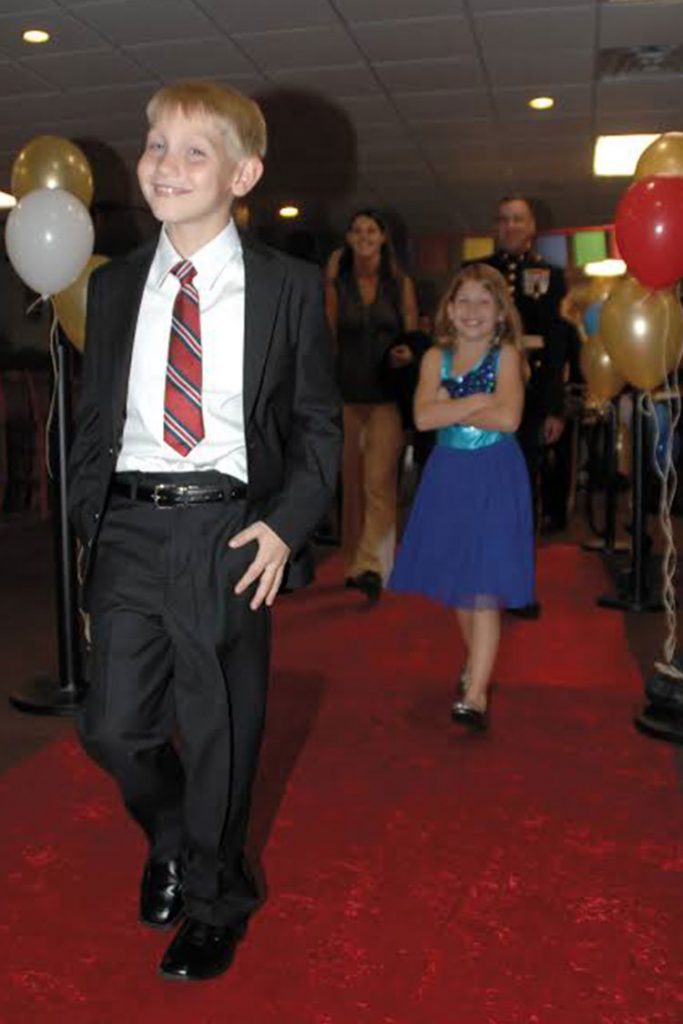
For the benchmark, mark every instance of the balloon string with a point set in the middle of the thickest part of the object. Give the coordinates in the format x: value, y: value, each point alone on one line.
x: 668, y: 478
x: 34, y: 305
x: 54, y: 329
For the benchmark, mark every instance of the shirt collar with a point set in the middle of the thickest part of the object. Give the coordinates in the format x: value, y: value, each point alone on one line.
x: 210, y: 261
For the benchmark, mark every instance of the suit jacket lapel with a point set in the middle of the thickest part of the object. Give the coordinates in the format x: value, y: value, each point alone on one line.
x: 122, y: 332
x: 263, y: 281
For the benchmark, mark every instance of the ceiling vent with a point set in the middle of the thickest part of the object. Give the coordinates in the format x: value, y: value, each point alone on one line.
x: 640, y: 60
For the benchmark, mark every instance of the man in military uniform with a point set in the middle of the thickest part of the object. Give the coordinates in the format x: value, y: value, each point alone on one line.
x: 537, y: 288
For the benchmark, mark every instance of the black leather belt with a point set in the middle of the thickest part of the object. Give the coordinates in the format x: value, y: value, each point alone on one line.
x: 166, y: 495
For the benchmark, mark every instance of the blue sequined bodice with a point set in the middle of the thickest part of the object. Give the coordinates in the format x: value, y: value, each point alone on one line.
x: 481, y: 379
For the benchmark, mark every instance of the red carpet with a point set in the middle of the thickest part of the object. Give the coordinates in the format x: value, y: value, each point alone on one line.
x: 416, y: 875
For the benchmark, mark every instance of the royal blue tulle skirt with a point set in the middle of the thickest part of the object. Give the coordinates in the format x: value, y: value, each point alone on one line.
x: 469, y: 540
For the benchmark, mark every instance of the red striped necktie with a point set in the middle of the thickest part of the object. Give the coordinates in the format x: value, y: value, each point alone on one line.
x: 183, y: 422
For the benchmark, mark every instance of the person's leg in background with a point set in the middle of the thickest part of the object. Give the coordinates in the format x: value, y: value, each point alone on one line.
x: 353, y: 502
x: 529, y: 437
x: 382, y: 443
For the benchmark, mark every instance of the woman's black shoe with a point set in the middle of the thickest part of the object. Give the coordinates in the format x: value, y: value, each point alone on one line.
x: 469, y: 716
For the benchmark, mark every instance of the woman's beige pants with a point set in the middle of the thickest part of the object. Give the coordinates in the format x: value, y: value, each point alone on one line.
x: 373, y: 439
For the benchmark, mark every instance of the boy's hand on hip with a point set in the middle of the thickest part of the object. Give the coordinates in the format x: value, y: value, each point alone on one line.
x: 269, y: 563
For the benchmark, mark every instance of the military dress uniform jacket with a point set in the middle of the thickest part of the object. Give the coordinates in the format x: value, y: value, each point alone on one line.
x: 537, y: 289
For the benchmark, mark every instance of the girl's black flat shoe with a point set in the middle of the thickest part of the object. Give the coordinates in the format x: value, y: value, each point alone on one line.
x: 471, y: 717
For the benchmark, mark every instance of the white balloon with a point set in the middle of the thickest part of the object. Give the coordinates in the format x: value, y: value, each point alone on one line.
x: 49, y: 238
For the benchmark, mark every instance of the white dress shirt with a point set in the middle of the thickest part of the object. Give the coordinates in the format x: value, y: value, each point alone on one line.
x: 220, y: 284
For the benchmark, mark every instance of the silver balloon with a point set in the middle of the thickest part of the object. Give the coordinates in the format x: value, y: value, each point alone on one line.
x: 49, y: 238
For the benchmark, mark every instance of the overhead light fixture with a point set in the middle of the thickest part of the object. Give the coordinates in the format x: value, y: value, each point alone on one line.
x: 605, y: 268
x: 542, y: 103
x: 289, y: 212
x: 7, y: 201
x: 617, y: 155
x: 35, y: 35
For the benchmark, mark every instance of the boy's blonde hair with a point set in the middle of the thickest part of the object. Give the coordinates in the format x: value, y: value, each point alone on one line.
x: 238, y: 116
x: 510, y: 325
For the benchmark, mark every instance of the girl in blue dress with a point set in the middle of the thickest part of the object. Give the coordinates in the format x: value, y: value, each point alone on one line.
x: 469, y: 539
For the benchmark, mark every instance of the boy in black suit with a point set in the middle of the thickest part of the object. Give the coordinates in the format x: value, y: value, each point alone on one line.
x: 205, y: 453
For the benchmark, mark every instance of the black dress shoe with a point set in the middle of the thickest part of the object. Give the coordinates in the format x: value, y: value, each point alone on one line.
x: 469, y: 716
x: 527, y: 611
x: 371, y: 585
x: 161, y: 893
x: 200, y: 951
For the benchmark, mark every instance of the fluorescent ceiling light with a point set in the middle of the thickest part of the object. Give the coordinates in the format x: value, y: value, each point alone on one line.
x: 617, y: 155
x: 605, y: 268
x: 7, y: 201
x: 542, y: 102
x: 35, y: 35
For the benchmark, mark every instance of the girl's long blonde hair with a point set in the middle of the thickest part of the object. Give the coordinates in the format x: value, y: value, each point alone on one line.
x: 510, y: 326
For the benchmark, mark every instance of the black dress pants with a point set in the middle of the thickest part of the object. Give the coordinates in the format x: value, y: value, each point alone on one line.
x: 529, y: 438
x: 176, y: 653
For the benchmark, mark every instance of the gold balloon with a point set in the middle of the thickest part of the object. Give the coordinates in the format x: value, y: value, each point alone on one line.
x: 663, y: 156
x: 71, y: 304
x: 642, y: 331
x: 49, y: 161
x: 603, y: 379
x: 582, y: 293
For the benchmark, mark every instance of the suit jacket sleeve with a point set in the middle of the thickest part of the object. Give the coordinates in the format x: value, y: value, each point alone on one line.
x: 84, y: 465
x: 313, y: 444
x: 555, y: 334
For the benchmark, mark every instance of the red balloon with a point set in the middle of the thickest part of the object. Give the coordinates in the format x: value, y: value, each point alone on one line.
x: 649, y: 230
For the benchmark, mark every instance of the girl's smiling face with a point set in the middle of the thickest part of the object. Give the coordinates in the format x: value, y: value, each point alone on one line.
x: 473, y: 312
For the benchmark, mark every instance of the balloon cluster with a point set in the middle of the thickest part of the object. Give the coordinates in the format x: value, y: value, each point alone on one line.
x: 641, y: 322
x: 583, y: 307
x: 49, y: 233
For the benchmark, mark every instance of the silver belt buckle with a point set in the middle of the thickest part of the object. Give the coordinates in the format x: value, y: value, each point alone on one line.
x: 161, y: 496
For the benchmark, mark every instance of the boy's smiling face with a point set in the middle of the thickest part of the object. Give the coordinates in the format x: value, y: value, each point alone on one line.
x: 188, y: 177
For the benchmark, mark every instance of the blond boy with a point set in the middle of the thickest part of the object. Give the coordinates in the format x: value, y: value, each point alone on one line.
x: 205, y: 453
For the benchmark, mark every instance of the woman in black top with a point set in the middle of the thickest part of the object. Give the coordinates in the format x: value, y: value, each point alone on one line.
x: 370, y: 304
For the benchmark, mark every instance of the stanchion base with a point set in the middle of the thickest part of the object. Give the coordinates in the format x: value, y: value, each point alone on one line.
x: 46, y: 697
x: 626, y: 602
x: 621, y: 547
x: 662, y: 725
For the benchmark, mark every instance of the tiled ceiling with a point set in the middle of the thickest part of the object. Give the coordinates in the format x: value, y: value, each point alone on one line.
x: 419, y: 106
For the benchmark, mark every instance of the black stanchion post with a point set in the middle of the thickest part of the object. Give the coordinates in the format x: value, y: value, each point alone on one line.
x: 61, y: 696
x: 611, y: 485
x: 634, y: 595
x: 607, y: 543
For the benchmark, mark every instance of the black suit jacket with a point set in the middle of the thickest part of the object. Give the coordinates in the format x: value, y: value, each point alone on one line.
x: 291, y: 405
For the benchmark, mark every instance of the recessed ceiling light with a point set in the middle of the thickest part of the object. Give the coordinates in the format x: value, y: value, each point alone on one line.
x: 617, y: 155
x: 542, y: 103
x: 7, y: 201
x: 288, y: 212
x: 35, y: 35
x: 604, y: 268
